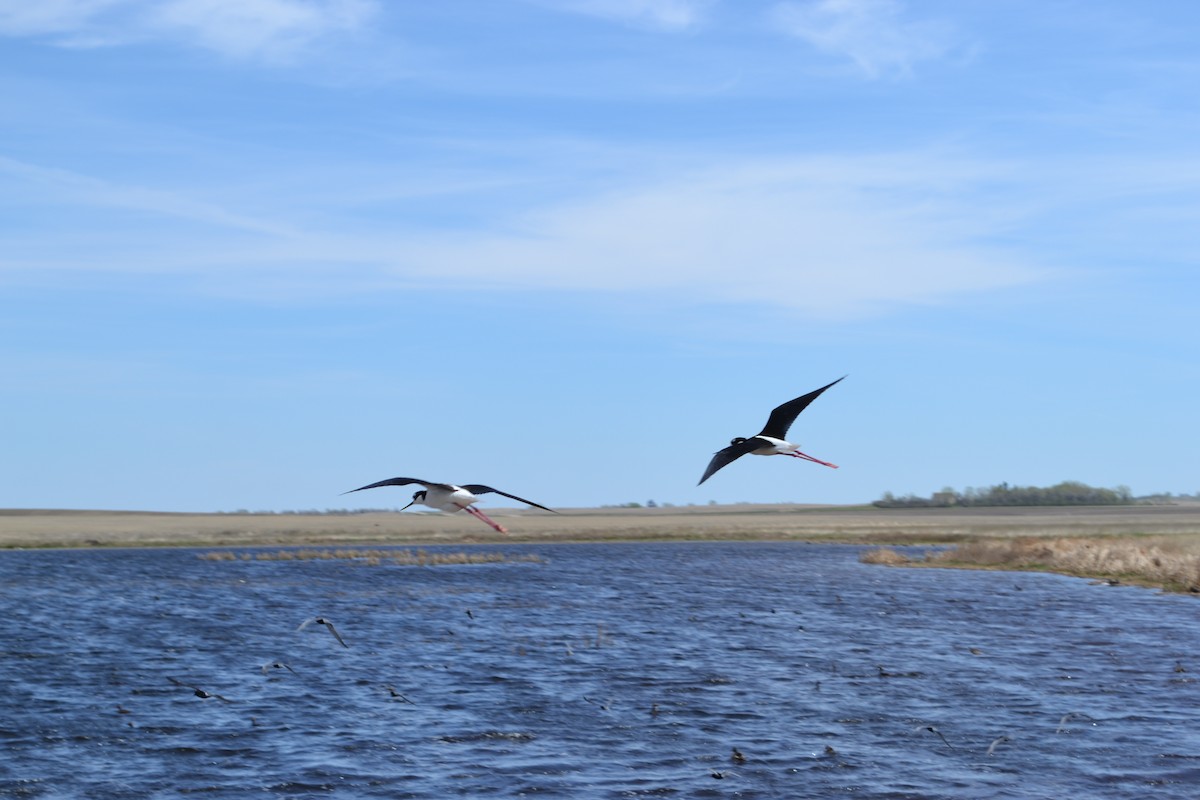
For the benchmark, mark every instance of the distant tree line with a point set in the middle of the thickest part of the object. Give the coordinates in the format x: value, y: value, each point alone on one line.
x: 1067, y: 493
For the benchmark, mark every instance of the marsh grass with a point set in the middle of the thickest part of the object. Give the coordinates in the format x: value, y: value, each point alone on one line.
x: 781, y: 522
x: 1170, y: 563
x: 373, y: 557
x: 886, y: 556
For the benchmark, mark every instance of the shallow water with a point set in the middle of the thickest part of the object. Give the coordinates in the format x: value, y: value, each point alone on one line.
x: 605, y: 671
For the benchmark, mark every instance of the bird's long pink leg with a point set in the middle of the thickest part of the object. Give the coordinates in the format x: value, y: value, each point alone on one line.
x: 807, y: 457
x: 482, y: 516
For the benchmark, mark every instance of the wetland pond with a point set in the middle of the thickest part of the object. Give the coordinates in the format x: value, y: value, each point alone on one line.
x: 617, y: 670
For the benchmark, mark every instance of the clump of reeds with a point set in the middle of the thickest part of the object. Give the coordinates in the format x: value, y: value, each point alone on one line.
x: 1170, y: 563
x: 377, y: 557
x: 884, y: 555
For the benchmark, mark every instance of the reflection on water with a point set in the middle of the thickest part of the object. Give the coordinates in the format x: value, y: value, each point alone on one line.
x: 615, y: 670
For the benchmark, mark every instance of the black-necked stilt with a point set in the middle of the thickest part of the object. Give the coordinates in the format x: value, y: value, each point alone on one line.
x: 327, y: 624
x: 392, y: 691
x: 932, y: 729
x: 270, y: 665
x: 196, y: 690
x: 1062, y: 723
x: 996, y: 743
x: 451, y: 498
x: 770, y: 441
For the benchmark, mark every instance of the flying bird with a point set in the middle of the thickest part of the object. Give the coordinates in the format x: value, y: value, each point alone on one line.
x: 1062, y: 723
x: 932, y: 729
x: 997, y: 742
x: 770, y: 440
x: 270, y: 665
x: 327, y: 624
x: 196, y: 690
x: 392, y: 691
x: 451, y: 498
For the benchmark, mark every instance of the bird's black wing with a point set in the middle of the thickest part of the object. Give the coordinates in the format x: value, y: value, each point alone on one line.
x: 783, y: 416
x: 730, y: 454
x: 397, y: 482
x: 479, y: 488
x: 336, y: 635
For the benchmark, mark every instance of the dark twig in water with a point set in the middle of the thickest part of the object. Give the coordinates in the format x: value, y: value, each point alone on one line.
x: 605, y: 706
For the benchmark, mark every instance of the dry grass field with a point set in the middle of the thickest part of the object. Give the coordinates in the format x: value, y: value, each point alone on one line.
x: 1149, y: 545
x: 859, y: 524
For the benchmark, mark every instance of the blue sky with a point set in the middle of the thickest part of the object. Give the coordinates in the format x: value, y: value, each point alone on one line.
x: 254, y: 253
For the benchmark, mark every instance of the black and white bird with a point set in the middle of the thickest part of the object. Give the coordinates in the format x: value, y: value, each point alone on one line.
x: 451, y: 498
x: 196, y: 690
x: 270, y: 665
x: 327, y: 624
x: 770, y: 440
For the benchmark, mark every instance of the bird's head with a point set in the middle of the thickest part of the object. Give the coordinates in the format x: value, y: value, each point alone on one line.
x: 737, y: 440
x: 418, y: 497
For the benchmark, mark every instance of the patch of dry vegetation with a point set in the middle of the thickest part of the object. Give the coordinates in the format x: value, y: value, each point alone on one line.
x: 373, y: 558
x: 1169, y: 563
x: 886, y: 556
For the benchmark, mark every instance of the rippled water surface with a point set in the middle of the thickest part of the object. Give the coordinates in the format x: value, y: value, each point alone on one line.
x: 602, y: 671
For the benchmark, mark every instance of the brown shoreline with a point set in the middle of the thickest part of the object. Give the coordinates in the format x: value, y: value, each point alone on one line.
x: 35, y: 528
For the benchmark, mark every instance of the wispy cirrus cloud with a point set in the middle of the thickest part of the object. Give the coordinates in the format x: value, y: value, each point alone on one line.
x: 671, y: 15
x: 59, y: 188
x: 826, y: 237
x: 276, y: 31
x: 52, y: 17
x: 830, y: 237
x: 876, y: 35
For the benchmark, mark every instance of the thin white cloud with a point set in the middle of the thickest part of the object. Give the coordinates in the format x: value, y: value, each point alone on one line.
x: 268, y: 30
x: 874, y: 34
x: 25, y: 18
x: 834, y: 237
x: 822, y: 237
x: 670, y: 15
x: 35, y: 184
